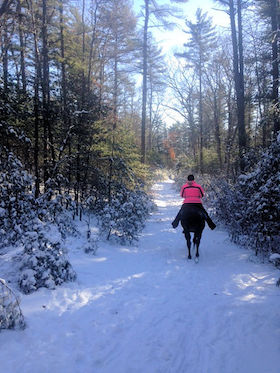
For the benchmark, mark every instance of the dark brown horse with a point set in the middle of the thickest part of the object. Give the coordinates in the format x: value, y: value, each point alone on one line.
x: 192, y: 221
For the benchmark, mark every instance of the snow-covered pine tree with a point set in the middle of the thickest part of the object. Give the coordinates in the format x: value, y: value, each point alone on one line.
x: 44, y: 262
x: 57, y: 207
x: 124, y: 217
x: 17, y: 208
x: 251, y: 207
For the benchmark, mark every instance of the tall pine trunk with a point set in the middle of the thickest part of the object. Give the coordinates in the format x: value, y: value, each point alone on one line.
x: 37, y: 79
x: 217, y: 128
x: 275, y: 64
x: 201, y: 142
x: 144, y: 87
x: 150, y: 114
x: 93, y: 39
x: 63, y: 73
x: 5, y: 47
x: 22, y: 47
x: 45, y: 91
x: 237, y: 45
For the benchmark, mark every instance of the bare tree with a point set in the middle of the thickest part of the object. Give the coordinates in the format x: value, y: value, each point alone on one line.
x: 202, y: 40
x: 160, y: 14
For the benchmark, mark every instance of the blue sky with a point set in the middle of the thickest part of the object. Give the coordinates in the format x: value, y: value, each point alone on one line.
x: 172, y: 40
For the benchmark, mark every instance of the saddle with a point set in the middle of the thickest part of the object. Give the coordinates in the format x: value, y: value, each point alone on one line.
x: 192, y: 210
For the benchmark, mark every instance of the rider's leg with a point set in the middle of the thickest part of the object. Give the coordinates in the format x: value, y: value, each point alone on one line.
x: 176, y: 221
x: 209, y: 221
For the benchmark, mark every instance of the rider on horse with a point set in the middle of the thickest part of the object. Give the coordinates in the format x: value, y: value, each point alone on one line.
x: 192, y: 194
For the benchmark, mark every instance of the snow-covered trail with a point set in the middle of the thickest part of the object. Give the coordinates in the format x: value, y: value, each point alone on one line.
x: 146, y: 309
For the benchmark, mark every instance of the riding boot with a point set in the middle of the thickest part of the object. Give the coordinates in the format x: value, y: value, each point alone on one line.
x: 210, y: 223
x: 176, y: 221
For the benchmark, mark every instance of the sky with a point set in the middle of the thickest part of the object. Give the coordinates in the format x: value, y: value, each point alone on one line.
x: 173, y: 41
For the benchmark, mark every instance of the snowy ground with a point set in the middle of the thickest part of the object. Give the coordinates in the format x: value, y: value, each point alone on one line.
x: 146, y: 309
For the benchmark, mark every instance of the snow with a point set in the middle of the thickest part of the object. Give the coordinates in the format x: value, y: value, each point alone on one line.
x: 145, y: 308
x: 274, y: 256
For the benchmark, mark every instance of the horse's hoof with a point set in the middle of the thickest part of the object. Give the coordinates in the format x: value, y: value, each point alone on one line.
x: 189, y: 257
x: 196, y: 260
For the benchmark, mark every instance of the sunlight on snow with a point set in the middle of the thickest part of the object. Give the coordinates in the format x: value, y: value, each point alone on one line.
x: 102, y: 259
x: 256, y: 281
x: 69, y: 301
x: 244, y: 280
x: 157, y: 187
x: 160, y: 203
x: 128, y: 250
x: 251, y: 297
x: 159, y: 220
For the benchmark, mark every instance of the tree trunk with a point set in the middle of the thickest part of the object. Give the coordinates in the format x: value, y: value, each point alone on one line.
x: 81, y: 116
x: 93, y: 38
x: 238, y: 78
x: 63, y: 74
x: 229, y: 140
x: 217, y: 130
x: 201, y: 142
x: 275, y: 65
x: 37, y: 79
x: 115, y: 95
x: 65, y: 113
x: 150, y: 114
x: 144, y: 88
x: 22, y: 47
x: 5, y: 57
x: 36, y: 121
x: 45, y: 90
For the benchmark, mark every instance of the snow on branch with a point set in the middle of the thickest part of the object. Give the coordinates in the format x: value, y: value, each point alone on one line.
x: 11, y: 316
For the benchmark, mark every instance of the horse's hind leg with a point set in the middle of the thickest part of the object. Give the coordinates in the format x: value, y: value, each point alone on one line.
x: 188, y: 239
x: 196, y: 240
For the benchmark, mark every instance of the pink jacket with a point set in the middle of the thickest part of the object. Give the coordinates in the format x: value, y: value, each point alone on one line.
x: 192, y: 192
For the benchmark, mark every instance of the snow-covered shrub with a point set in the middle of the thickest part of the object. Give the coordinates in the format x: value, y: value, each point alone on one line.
x: 91, y: 246
x: 57, y: 207
x: 44, y: 263
x: 16, y: 205
x: 11, y: 316
x: 228, y: 207
x: 125, y: 216
x: 275, y: 259
x: 251, y: 207
x: 21, y: 220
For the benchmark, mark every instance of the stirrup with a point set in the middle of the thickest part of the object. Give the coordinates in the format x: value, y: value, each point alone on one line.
x: 175, y: 224
x: 212, y: 225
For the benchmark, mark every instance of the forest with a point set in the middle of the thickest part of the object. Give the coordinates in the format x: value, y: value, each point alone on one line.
x: 83, y: 89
